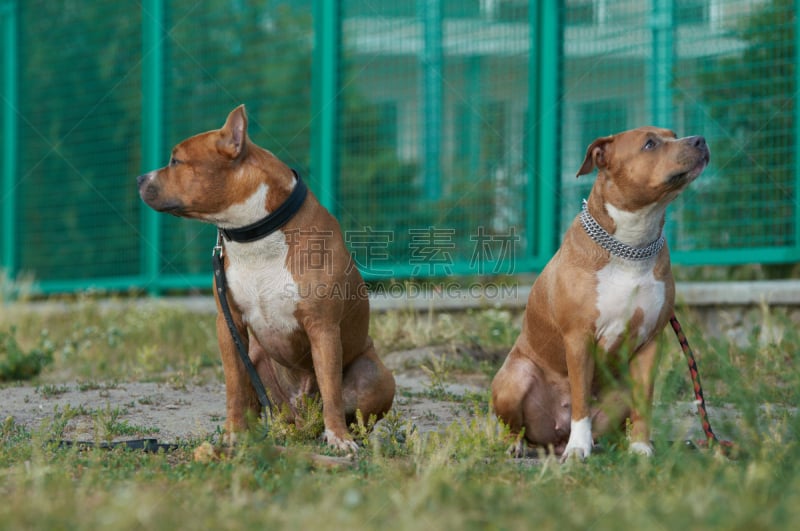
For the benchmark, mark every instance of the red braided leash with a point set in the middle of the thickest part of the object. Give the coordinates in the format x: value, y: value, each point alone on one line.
x: 711, y: 438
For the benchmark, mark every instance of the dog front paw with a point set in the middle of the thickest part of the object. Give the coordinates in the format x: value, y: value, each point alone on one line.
x: 230, y: 438
x: 641, y: 448
x: 576, y: 452
x: 343, y: 443
x: 580, y: 440
x: 517, y: 449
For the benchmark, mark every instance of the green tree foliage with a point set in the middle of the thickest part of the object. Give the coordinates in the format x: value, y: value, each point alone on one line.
x: 749, y: 100
x: 80, y: 122
x: 79, y: 138
x: 19, y: 364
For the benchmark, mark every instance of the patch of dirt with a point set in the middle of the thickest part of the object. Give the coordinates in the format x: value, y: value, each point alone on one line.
x: 172, y: 415
x: 156, y: 410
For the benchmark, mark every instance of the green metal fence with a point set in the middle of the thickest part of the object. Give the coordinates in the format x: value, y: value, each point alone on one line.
x: 444, y: 134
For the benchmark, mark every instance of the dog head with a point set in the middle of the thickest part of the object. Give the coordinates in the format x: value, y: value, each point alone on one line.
x: 644, y: 166
x: 211, y: 172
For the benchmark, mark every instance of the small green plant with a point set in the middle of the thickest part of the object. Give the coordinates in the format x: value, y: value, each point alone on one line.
x: 303, y: 425
x: 361, y: 430
x: 148, y: 400
x: 51, y: 390
x: 108, y: 424
x: 11, y: 431
x: 394, y: 435
x: 92, y: 385
x: 17, y: 363
x: 62, y: 416
x: 438, y: 371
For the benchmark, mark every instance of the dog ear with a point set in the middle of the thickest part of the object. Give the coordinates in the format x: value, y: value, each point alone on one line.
x: 233, y: 134
x: 595, y: 155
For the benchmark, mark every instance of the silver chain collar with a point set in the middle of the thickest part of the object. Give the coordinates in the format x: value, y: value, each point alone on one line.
x: 613, y: 245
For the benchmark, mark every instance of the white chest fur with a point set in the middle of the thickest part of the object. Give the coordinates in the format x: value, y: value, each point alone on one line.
x: 263, y: 287
x: 623, y: 286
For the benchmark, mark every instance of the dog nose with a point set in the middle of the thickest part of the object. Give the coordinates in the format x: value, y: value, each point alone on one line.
x: 697, y: 141
x: 142, y: 178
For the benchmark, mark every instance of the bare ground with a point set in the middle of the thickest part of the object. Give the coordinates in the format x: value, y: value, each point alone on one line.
x: 177, y: 414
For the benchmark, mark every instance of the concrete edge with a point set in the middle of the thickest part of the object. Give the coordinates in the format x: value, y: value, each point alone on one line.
x: 457, y: 298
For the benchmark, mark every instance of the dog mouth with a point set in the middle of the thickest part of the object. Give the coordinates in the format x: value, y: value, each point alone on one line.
x: 683, y: 178
x: 151, y: 194
x: 174, y: 209
x: 151, y: 198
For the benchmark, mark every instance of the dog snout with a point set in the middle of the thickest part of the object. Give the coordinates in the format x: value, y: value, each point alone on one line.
x: 699, y: 143
x: 148, y: 190
x: 140, y: 180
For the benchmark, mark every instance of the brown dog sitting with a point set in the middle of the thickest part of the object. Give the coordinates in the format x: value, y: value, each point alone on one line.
x: 585, y: 358
x: 297, y: 299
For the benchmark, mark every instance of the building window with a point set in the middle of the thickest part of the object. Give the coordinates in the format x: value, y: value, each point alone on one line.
x: 386, y: 133
x: 692, y: 11
x: 579, y: 13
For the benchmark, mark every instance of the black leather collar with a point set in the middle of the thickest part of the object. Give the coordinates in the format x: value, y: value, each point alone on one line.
x: 275, y: 220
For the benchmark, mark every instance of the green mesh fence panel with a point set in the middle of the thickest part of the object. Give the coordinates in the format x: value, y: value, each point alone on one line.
x: 432, y: 143
x: 78, y: 133
x: 740, y: 93
x: 221, y: 54
x: 444, y: 134
x: 724, y: 70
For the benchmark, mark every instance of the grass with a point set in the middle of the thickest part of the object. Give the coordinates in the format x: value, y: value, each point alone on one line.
x: 91, y: 342
x: 458, y: 478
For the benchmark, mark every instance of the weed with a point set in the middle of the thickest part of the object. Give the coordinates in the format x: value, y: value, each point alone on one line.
x: 362, y: 429
x: 122, y: 339
x: 438, y: 371
x: 108, y: 424
x: 148, y: 400
x: 301, y: 424
x: 456, y: 477
x: 90, y: 385
x: 393, y: 435
x: 51, y: 390
x: 19, y: 364
x: 11, y: 431
x: 177, y: 380
x: 61, y: 417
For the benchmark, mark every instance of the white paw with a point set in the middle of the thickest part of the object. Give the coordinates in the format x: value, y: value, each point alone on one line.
x: 580, y: 439
x: 345, y: 444
x: 230, y: 438
x: 641, y: 448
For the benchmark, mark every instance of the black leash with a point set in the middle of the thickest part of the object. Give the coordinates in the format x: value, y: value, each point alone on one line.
x: 222, y: 297
x: 249, y: 233
x: 145, y: 445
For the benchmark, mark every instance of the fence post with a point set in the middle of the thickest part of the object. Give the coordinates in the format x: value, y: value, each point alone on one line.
x: 8, y: 12
x: 152, y: 132
x: 796, y: 191
x: 429, y: 13
x: 544, y: 104
x: 662, y: 26
x: 325, y: 99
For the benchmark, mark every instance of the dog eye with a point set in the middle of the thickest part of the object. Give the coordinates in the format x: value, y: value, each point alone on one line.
x: 650, y: 144
x: 173, y: 161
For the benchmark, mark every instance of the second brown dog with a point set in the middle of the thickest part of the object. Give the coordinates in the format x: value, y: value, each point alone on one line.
x: 586, y: 355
